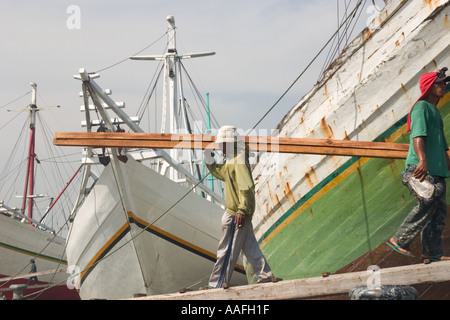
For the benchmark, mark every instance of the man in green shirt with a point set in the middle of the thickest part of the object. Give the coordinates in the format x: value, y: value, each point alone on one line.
x: 427, y: 160
x: 237, y: 228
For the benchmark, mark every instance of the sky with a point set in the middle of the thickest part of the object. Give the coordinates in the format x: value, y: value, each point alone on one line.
x: 261, y: 48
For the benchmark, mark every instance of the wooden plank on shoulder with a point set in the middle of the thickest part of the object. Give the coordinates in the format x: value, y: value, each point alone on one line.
x: 255, y: 143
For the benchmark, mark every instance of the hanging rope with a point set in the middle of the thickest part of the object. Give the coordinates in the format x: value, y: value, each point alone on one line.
x: 5, y: 105
x: 308, y: 66
x: 126, y: 59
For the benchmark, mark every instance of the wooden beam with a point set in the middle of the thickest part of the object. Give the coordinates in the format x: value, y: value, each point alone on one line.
x: 255, y: 143
x: 320, y: 286
x: 35, y: 286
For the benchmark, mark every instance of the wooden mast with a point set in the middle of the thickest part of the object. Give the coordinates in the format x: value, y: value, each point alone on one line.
x: 29, y: 177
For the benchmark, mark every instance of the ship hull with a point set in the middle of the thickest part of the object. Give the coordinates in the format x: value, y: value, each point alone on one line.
x: 160, y: 239
x: 19, y: 243
x: 321, y: 213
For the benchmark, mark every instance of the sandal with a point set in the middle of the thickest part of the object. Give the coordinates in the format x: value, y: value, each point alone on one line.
x: 206, y: 288
x: 394, y: 245
x: 439, y: 257
x: 272, y: 279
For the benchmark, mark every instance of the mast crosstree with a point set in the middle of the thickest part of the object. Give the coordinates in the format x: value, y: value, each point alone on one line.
x: 174, y: 102
x: 28, y: 193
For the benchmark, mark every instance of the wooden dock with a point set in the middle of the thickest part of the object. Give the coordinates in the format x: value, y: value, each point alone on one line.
x: 314, y: 288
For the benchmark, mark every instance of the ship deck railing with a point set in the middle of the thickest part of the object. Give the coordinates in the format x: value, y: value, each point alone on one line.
x: 14, y: 213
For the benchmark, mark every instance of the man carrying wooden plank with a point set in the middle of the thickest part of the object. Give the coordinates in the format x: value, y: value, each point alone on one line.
x: 237, y: 228
x: 33, y: 270
x: 427, y: 166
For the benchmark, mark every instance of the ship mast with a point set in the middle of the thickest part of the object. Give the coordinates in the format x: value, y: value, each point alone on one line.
x: 29, y: 178
x: 173, y: 97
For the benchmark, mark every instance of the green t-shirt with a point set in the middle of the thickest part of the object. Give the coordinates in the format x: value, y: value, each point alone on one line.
x: 426, y: 121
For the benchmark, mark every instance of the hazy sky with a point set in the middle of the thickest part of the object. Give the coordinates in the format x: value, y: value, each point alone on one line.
x: 261, y: 47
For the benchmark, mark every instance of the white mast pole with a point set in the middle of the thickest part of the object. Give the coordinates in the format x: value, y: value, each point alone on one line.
x: 171, y: 78
x: 172, y: 73
x: 29, y: 179
x: 172, y: 90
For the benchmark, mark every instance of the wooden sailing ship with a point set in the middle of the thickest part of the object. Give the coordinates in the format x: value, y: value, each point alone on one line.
x: 328, y: 212
x: 26, y: 233
x: 145, y: 225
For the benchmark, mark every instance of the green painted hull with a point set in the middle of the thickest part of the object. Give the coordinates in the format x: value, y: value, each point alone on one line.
x: 340, y: 224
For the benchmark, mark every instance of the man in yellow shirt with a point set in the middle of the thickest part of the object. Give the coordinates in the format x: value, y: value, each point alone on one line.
x: 237, y: 228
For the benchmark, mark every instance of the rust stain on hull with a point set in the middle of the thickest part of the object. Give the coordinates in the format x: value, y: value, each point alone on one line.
x: 288, y: 194
x: 367, y: 34
x: 311, y: 178
x: 404, y: 89
x: 327, y: 129
x: 275, y: 201
x: 432, y: 4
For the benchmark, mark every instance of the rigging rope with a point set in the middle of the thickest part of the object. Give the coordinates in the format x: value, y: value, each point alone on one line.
x: 309, y: 65
x: 25, y: 94
x: 150, y: 90
x: 10, y: 121
x: 7, y: 171
x: 197, y: 91
x: 123, y: 60
x: 333, y: 52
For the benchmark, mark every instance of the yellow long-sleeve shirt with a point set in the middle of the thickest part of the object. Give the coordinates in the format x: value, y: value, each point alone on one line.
x: 239, y: 185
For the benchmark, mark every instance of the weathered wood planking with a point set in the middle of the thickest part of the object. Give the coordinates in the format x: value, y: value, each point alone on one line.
x: 319, y: 286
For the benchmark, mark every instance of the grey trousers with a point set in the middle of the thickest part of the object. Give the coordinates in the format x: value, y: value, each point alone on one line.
x: 427, y: 219
x: 232, y: 242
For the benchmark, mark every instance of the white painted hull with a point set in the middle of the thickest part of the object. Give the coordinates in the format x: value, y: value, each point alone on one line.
x: 126, y: 252
x: 20, y: 242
